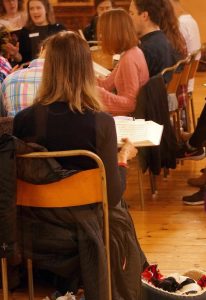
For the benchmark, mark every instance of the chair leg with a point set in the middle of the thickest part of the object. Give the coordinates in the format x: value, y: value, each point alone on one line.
x: 4, y: 279
x: 187, y: 114
x: 107, y: 246
x: 153, y: 183
x: 192, y: 110
x: 30, y: 279
x: 140, y: 182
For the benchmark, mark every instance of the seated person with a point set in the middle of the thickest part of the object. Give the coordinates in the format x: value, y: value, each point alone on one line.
x: 100, y: 6
x: 193, y: 149
x: 158, y: 51
x: 190, y: 31
x: 12, y: 15
x: 26, y: 81
x: 5, y: 67
x: 117, y: 35
x: 169, y: 24
x: 67, y: 115
x: 40, y: 25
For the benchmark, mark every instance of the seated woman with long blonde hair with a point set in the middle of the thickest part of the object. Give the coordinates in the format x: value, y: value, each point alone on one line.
x: 67, y: 115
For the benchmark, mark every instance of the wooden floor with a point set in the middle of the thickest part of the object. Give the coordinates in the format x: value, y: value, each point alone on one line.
x: 171, y: 234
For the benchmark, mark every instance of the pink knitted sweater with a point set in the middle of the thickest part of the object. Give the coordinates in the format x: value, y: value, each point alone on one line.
x: 118, y: 91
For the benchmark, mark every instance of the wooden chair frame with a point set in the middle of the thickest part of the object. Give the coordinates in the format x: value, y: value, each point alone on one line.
x: 179, y: 72
x: 193, y: 70
x: 28, y: 195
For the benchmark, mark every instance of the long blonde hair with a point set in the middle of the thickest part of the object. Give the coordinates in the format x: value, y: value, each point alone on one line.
x: 68, y: 73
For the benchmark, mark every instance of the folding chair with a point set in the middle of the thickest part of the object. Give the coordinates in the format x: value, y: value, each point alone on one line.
x: 83, y: 188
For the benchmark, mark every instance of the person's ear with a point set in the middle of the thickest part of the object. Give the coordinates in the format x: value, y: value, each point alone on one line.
x: 145, y: 15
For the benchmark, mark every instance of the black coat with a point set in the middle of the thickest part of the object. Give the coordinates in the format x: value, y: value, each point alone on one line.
x: 152, y: 104
x: 68, y: 241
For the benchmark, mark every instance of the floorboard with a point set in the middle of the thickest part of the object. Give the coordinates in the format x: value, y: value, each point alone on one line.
x: 171, y: 234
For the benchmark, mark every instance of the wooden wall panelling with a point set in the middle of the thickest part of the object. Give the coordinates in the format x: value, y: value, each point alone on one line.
x: 76, y: 15
x: 73, y: 17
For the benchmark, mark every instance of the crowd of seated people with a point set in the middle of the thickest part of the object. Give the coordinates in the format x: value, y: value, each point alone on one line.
x: 59, y: 81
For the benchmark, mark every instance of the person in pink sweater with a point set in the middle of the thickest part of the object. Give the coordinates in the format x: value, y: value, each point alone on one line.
x: 117, y: 35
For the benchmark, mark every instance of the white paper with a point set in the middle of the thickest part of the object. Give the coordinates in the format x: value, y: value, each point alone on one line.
x: 99, y: 70
x: 142, y: 133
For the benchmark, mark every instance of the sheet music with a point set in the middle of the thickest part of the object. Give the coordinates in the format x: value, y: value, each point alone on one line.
x: 142, y: 133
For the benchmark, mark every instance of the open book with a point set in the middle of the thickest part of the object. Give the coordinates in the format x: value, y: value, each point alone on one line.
x: 142, y: 133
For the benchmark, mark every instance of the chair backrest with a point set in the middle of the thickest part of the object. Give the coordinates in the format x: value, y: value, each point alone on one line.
x: 176, y: 72
x: 194, y: 63
x: 85, y: 187
x: 193, y: 68
x: 185, y: 72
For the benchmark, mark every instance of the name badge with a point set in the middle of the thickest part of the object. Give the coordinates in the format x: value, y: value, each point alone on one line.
x: 31, y: 35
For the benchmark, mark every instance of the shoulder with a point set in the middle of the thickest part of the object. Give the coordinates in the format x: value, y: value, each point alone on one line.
x: 132, y: 54
x: 14, y: 76
x: 133, y: 57
x: 23, y: 33
x: 4, y: 63
x: 104, y: 118
x: 187, y: 23
x: 105, y: 126
x: 56, y: 27
x: 153, y: 39
x: 24, y: 115
x: 25, y: 30
x: 19, y: 77
x: 186, y: 19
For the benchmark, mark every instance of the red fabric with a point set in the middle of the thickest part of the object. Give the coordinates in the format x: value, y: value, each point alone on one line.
x: 182, y: 96
x: 152, y: 272
x: 202, y: 281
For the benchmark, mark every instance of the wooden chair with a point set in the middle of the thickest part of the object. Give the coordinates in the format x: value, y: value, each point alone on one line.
x: 177, y: 73
x: 193, y: 70
x: 83, y: 188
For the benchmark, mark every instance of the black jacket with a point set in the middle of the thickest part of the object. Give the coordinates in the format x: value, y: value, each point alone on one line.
x: 68, y: 241
x: 152, y: 104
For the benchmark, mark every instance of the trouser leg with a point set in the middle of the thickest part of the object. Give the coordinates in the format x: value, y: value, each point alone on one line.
x: 199, y: 135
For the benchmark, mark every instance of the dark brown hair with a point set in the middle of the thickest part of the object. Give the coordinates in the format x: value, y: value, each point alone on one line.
x: 116, y: 31
x: 49, y: 13
x: 169, y: 24
x: 153, y: 7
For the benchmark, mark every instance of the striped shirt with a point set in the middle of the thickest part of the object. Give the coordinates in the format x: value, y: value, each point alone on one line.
x: 5, y: 68
x: 19, y: 88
